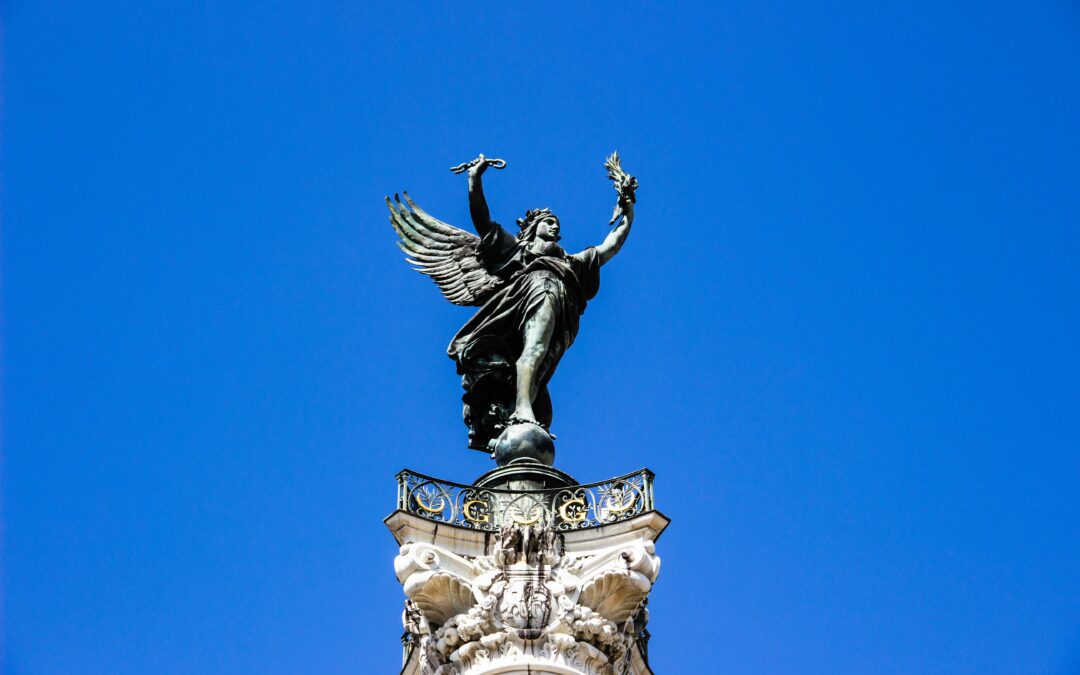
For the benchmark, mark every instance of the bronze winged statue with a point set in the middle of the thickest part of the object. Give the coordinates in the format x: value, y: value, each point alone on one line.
x: 530, y: 291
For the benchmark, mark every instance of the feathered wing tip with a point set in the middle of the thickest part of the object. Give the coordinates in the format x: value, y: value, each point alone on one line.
x: 441, y: 251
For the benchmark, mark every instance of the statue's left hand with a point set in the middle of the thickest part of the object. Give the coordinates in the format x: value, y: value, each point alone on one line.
x: 624, y: 208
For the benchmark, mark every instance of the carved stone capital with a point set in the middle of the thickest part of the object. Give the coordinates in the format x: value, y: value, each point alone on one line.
x: 527, y: 598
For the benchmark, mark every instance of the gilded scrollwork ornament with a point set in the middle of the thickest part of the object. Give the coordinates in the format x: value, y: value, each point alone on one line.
x: 563, y: 508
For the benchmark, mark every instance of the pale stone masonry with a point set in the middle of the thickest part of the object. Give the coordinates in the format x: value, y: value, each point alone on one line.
x: 511, y: 590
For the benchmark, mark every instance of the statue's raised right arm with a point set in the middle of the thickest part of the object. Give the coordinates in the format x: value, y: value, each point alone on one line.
x: 478, y: 207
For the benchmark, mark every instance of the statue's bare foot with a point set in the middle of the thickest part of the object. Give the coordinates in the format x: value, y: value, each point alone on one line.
x: 523, y: 416
x: 529, y: 418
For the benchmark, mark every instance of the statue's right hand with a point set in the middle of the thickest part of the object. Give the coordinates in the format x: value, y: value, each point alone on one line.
x: 478, y: 166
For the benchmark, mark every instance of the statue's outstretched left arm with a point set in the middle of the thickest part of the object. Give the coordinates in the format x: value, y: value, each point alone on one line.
x: 615, y: 239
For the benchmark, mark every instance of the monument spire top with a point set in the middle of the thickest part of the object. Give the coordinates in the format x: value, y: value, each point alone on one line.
x: 525, y: 570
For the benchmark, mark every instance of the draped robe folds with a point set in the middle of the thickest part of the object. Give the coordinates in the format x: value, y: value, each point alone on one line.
x: 488, y: 346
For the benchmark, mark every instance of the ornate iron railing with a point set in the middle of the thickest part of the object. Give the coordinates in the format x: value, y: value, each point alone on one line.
x: 567, y: 508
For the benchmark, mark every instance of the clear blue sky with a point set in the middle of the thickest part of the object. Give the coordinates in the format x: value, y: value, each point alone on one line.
x: 843, y: 331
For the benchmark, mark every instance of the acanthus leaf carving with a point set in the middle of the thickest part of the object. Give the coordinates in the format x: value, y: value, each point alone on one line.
x: 528, y: 601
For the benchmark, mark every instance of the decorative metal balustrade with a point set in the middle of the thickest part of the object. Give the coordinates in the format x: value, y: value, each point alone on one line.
x: 567, y: 508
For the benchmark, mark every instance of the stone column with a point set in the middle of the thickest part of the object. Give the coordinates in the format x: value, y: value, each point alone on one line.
x: 502, y: 591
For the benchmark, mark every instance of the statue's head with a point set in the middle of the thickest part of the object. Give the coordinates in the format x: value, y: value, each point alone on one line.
x: 539, y: 224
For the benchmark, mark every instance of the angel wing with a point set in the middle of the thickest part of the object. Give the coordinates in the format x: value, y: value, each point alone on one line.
x: 443, y: 252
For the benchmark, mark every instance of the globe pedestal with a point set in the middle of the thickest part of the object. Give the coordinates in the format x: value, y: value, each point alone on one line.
x: 524, y: 441
x: 525, y: 474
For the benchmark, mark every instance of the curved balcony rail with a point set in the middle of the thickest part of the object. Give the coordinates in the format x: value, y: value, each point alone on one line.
x: 488, y: 509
